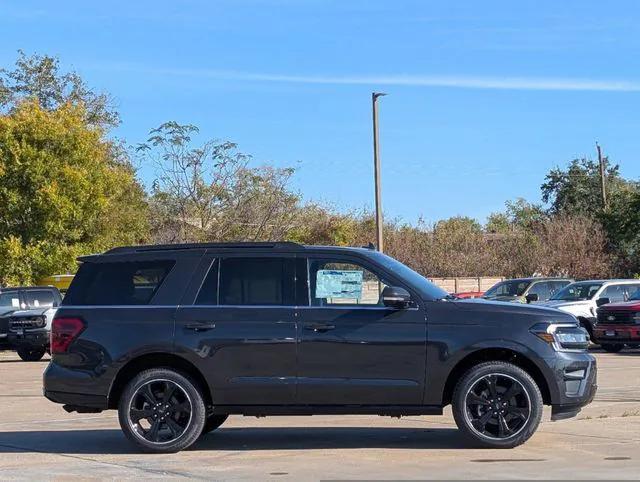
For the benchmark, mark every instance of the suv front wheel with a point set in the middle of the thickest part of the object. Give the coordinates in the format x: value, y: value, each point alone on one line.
x: 162, y: 411
x: 497, y: 405
x: 31, y: 354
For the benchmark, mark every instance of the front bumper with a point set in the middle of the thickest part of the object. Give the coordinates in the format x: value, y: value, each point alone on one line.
x: 37, y: 338
x: 616, y: 334
x: 576, y: 383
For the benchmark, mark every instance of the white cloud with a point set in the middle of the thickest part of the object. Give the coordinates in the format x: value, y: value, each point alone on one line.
x: 454, y: 81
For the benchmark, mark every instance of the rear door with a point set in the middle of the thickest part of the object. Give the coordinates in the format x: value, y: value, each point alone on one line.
x: 353, y: 349
x: 237, y: 325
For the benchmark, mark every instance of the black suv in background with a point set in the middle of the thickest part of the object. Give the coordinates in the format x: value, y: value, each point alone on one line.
x: 26, y: 313
x: 179, y: 337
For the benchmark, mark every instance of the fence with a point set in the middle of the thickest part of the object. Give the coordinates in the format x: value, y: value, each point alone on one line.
x: 458, y: 285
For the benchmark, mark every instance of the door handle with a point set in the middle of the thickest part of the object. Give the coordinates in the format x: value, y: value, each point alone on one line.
x: 320, y: 327
x: 200, y: 326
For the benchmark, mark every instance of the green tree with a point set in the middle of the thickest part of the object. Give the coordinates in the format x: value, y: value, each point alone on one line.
x: 576, y: 189
x: 40, y: 77
x: 210, y: 192
x: 65, y: 190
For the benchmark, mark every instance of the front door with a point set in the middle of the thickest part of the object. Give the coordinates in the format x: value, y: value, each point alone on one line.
x: 353, y: 349
x: 239, y: 329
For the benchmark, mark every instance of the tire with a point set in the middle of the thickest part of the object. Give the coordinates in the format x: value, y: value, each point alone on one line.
x: 213, y: 422
x: 612, y: 347
x: 31, y: 354
x: 493, y: 422
x: 162, y: 411
x: 587, y: 326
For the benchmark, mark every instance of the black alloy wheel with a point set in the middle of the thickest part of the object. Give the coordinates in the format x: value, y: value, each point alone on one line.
x: 160, y: 411
x: 497, y: 406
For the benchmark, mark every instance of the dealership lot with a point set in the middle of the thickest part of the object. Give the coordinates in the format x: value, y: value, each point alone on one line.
x: 38, y: 440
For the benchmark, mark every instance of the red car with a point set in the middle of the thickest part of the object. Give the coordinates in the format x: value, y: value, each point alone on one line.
x: 469, y: 294
x: 619, y: 325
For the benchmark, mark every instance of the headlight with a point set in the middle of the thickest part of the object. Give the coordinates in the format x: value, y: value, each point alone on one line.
x: 562, y: 336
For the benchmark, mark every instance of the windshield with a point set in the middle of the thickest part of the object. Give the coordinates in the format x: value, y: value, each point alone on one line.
x: 9, y: 299
x: 422, y: 284
x: 507, y: 288
x: 577, y: 291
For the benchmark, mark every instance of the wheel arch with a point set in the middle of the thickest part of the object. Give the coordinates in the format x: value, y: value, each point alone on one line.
x: 156, y: 360
x: 496, y: 354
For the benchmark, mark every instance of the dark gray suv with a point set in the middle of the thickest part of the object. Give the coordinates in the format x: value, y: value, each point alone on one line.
x: 179, y: 337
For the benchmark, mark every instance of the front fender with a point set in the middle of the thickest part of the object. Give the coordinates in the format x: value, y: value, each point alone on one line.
x: 445, y: 362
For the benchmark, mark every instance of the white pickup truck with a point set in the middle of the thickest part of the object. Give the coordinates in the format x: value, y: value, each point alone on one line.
x: 583, y: 298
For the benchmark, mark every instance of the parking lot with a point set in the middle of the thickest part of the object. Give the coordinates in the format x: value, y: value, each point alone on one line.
x: 38, y: 440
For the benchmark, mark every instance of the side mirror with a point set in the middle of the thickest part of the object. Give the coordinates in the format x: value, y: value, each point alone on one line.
x: 395, y: 297
x: 531, y: 297
x: 602, y: 301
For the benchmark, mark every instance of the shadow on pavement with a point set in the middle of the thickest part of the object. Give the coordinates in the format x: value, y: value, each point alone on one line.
x: 111, y: 441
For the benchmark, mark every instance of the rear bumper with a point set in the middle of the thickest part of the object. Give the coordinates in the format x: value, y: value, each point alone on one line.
x: 616, y: 334
x: 70, y: 387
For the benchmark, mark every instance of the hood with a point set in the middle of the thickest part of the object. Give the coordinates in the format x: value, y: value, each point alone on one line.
x: 563, y: 303
x: 6, y: 310
x: 510, y: 298
x: 32, y: 312
x: 622, y: 306
x: 484, y: 305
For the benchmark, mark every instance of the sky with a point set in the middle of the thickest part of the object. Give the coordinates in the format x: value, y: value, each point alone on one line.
x: 484, y: 97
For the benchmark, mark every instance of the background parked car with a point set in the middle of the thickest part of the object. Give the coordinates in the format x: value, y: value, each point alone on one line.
x: 27, y: 320
x: 582, y: 298
x: 526, y: 290
x: 619, y: 324
x: 468, y: 294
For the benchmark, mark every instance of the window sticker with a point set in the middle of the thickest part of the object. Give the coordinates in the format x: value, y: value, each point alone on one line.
x: 333, y: 283
x: 15, y: 302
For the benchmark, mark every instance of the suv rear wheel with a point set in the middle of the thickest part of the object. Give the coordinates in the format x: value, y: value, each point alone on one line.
x: 31, y: 354
x: 497, y: 405
x: 162, y: 411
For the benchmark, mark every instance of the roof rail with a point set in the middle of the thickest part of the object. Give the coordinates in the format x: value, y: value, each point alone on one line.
x: 181, y: 246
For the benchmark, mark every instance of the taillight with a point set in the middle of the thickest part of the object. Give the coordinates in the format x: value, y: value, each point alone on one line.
x: 63, y: 332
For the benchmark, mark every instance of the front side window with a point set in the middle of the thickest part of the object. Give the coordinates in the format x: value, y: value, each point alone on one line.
x: 615, y: 293
x: 117, y: 283
x: 257, y: 281
x: 541, y: 289
x: 40, y: 299
x: 335, y: 282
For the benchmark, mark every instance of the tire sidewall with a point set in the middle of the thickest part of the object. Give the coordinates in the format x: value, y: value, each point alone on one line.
x: 499, y: 368
x: 198, y: 410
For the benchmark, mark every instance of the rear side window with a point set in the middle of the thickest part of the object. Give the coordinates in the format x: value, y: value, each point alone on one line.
x: 40, y: 299
x: 121, y: 283
x: 254, y: 281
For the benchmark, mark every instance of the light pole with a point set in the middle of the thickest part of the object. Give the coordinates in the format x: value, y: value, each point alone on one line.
x: 376, y: 170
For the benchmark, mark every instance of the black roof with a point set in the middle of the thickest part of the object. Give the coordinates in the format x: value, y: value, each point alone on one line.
x: 172, y: 247
x: 16, y: 288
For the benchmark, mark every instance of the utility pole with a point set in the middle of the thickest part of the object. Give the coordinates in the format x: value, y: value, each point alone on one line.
x: 603, y: 186
x: 376, y: 170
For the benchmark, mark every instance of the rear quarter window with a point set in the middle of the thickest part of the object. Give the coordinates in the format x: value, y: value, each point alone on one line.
x: 117, y: 283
